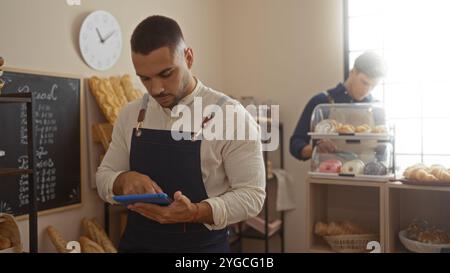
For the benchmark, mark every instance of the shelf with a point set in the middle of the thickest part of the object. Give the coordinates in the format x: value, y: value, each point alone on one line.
x: 12, y: 171
x: 400, y: 185
x: 369, y: 178
x: 15, y: 98
x: 357, y: 136
x: 345, y: 182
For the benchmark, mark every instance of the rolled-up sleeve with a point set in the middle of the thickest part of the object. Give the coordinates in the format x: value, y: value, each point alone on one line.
x: 115, y: 162
x: 244, y: 168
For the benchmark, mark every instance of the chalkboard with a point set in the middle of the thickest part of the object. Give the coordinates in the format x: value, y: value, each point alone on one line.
x: 57, y: 124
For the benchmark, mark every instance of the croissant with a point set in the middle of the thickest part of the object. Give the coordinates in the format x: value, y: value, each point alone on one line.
x: 422, y: 175
x: 363, y: 129
x: 346, y: 129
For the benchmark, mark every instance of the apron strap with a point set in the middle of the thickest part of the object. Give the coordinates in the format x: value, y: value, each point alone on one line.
x: 209, y: 117
x: 329, y: 97
x: 142, y: 112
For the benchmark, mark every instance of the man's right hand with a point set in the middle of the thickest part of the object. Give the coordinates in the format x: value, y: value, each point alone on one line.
x: 326, y: 146
x: 134, y: 183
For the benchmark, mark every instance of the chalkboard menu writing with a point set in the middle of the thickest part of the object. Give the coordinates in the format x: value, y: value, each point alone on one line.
x: 57, y: 125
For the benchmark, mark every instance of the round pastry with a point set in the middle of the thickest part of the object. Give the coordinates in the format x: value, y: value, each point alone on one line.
x: 363, y: 129
x: 326, y: 126
x: 330, y: 166
x: 346, y: 129
x: 375, y: 168
x: 353, y: 167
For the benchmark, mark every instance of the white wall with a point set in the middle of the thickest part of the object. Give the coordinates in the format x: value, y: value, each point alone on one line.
x: 285, y: 51
x: 42, y: 35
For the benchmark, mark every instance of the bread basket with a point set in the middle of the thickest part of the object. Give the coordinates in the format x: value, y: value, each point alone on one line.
x: 350, y: 243
x: 10, y: 230
x: 418, y: 247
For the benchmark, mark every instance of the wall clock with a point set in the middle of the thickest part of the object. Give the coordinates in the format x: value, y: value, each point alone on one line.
x: 100, y: 40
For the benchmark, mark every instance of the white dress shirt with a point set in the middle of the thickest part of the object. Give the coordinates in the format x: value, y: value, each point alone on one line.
x: 232, y: 170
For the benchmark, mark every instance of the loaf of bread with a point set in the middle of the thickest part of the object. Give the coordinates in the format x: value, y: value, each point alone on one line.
x: 10, y: 231
x: 4, y: 242
x: 57, y: 239
x: 118, y: 90
x: 96, y: 233
x: 89, y: 246
x: 130, y: 92
x: 111, y: 94
x: 104, y: 240
x: 338, y: 228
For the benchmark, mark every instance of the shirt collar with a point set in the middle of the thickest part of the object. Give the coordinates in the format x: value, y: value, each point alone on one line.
x: 340, y: 88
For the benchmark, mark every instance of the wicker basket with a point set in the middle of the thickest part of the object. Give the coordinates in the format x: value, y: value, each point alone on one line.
x: 350, y: 243
x: 419, y: 247
x: 9, y: 224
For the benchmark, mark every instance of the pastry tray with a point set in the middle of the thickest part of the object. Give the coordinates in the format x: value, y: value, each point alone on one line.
x: 337, y: 176
x: 355, y: 136
x: 424, y: 183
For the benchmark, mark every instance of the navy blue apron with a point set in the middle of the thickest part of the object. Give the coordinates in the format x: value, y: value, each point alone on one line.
x: 174, y: 165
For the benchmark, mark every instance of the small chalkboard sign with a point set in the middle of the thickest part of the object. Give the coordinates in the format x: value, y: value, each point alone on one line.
x: 57, y: 125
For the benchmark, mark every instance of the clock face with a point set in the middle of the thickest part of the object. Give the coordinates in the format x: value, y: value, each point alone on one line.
x: 100, y: 40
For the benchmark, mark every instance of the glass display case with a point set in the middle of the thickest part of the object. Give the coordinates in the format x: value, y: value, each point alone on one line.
x: 352, y: 141
x: 360, y: 119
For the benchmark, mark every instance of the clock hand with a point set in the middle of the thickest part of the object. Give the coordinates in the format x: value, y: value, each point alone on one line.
x: 109, y: 36
x: 100, y: 36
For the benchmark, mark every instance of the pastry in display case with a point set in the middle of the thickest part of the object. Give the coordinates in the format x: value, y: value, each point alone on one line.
x: 359, y: 143
x: 364, y: 159
x: 363, y: 119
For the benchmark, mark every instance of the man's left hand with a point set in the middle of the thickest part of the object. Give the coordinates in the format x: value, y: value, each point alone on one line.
x: 182, y: 210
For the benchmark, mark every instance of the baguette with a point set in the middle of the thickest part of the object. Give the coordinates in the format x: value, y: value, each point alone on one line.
x: 89, y: 246
x: 105, y: 242
x: 57, y: 240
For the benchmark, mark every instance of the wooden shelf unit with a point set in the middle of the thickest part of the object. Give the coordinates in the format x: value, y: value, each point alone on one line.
x: 383, y: 208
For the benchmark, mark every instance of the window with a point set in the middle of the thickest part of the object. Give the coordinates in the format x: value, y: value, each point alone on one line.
x: 412, y: 36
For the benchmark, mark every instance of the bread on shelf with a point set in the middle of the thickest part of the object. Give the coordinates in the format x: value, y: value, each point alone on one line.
x: 421, y: 172
x: 111, y: 94
x: 58, y: 241
x: 338, y: 228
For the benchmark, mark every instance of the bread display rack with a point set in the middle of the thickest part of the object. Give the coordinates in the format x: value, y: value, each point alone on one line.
x: 28, y: 99
x: 359, y: 144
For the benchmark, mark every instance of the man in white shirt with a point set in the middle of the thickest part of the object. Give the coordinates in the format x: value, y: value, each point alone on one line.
x: 214, y: 183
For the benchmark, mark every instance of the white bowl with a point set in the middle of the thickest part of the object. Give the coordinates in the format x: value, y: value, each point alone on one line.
x: 419, y: 247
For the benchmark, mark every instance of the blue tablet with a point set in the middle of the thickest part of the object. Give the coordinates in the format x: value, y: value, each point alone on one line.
x: 161, y: 199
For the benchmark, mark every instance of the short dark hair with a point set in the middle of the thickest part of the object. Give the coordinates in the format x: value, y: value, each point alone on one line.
x: 155, y: 32
x: 371, y: 64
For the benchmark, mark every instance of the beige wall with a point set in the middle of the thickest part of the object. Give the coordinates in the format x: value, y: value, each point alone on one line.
x: 285, y: 51
x: 281, y: 50
x: 42, y: 35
